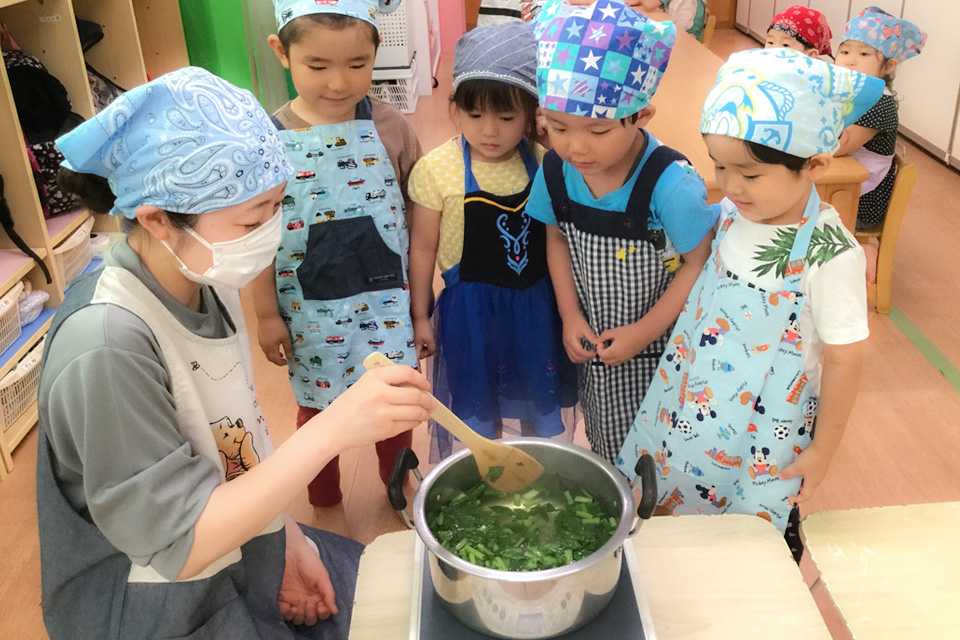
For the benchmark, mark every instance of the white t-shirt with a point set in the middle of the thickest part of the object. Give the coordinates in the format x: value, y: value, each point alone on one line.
x: 834, y: 279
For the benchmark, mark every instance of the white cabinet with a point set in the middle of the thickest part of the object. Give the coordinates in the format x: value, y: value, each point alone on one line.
x: 955, y: 155
x: 836, y: 12
x: 781, y: 5
x: 893, y: 7
x: 761, y: 15
x: 927, y: 85
x: 743, y: 15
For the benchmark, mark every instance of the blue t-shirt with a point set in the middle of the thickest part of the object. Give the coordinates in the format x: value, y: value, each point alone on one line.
x: 678, y: 203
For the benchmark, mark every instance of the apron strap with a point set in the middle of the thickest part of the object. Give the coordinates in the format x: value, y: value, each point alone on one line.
x: 364, y: 110
x: 661, y: 158
x: 470, y: 183
x: 801, y: 244
x: 556, y: 186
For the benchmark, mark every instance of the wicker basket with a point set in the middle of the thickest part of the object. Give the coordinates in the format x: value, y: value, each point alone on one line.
x: 398, y: 87
x: 10, y: 317
x: 18, y: 389
x: 73, y: 255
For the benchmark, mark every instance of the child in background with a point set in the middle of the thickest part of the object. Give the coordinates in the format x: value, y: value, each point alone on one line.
x: 875, y: 43
x: 341, y: 269
x: 500, y: 363
x: 729, y: 420
x: 803, y: 29
x: 689, y: 15
x: 627, y: 221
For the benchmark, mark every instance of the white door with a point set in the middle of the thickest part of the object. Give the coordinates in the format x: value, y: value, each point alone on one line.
x: 955, y: 159
x: 761, y: 15
x: 781, y: 5
x: 893, y: 7
x: 835, y: 12
x: 927, y: 85
x: 743, y: 14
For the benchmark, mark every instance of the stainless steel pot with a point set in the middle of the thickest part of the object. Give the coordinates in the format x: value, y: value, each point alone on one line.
x: 526, y: 604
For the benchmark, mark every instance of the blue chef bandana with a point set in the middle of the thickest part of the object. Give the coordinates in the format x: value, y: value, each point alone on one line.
x: 288, y: 10
x: 601, y: 61
x: 788, y: 101
x: 504, y: 52
x: 188, y: 142
x: 894, y: 38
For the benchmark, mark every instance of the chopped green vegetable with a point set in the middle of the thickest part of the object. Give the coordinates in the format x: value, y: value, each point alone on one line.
x: 494, y: 473
x: 547, y: 526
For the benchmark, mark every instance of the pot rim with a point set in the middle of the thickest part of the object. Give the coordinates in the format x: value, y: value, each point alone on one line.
x: 615, y: 542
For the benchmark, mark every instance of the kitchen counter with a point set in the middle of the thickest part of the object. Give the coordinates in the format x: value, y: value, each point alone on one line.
x: 709, y: 577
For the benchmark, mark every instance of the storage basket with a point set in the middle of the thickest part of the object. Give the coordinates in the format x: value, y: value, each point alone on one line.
x: 73, y: 255
x: 10, y: 317
x: 399, y: 87
x: 18, y: 389
x: 396, y: 41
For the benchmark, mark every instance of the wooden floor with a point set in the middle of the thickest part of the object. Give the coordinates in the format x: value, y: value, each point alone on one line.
x: 900, y: 445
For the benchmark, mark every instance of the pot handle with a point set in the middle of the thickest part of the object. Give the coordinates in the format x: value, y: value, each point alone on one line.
x: 646, y: 472
x: 406, y: 460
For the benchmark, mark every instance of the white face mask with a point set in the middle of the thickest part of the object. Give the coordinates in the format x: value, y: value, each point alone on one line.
x: 237, y: 262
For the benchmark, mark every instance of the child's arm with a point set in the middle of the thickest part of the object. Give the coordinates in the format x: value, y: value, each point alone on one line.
x: 646, y: 5
x: 575, y: 326
x: 272, y: 333
x: 627, y: 341
x: 306, y: 592
x: 424, y: 240
x: 854, y: 137
x: 838, y: 391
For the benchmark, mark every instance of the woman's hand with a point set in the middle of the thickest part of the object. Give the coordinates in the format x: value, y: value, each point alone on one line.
x: 306, y: 593
x: 273, y: 335
x: 423, y: 338
x: 811, y: 465
x: 383, y: 403
x: 576, y: 328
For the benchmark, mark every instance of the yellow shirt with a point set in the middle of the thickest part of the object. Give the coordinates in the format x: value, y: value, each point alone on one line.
x: 437, y: 183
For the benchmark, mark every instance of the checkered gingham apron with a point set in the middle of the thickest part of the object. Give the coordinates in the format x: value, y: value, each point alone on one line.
x: 619, y: 276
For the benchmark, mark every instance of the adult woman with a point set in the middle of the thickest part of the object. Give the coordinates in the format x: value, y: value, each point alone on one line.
x: 160, y: 511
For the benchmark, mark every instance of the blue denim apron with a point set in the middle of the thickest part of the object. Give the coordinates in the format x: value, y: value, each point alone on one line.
x: 731, y: 407
x: 342, y: 263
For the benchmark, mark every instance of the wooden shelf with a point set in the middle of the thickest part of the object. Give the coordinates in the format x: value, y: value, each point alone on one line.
x: 60, y: 227
x: 29, y: 336
x: 15, y: 266
x: 15, y: 433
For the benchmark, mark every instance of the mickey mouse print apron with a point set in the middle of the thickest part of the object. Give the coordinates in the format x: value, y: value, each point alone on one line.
x: 730, y: 407
x: 342, y: 264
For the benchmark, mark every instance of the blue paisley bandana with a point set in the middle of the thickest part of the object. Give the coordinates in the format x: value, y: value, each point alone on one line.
x: 187, y: 142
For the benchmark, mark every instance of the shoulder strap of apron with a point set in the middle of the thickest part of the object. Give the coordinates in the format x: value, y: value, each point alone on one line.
x: 660, y: 158
x: 556, y: 187
x: 364, y: 110
x: 801, y: 244
x: 470, y: 182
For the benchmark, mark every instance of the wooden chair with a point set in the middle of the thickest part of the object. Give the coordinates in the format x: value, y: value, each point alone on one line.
x: 879, y: 292
x: 708, y: 28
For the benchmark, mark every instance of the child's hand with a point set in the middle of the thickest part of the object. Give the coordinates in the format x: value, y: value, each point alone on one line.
x: 620, y: 344
x: 812, y: 465
x: 306, y: 593
x: 423, y: 338
x: 273, y: 336
x: 383, y: 403
x: 575, y: 329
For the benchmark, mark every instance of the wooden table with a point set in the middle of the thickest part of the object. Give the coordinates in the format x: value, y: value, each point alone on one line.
x: 690, y: 75
x: 893, y: 572
x: 710, y: 577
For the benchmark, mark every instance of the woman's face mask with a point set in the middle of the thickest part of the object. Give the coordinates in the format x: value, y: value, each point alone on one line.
x: 237, y: 262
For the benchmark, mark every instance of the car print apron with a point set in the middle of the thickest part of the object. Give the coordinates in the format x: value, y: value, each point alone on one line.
x: 342, y: 264
x: 500, y: 349
x: 620, y: 274
x: 731, y: 407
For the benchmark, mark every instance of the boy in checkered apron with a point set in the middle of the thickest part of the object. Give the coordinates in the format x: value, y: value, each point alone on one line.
x: 629, y: 228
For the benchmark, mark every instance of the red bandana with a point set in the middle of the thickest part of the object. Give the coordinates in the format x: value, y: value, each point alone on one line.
x: 808, y: 26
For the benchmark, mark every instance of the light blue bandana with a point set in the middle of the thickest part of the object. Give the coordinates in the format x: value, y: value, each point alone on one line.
x: 602, y: 61
x: 188, y: 142
x: 788, y: 101
x: 894, y: 38
x: 366, y: 10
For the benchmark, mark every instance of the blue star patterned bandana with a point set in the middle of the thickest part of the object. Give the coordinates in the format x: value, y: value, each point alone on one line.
x: 366, y: 10
x: 894, y: 38
x: 187, y: 142
x: 788, y: 101
x: 602, y: 61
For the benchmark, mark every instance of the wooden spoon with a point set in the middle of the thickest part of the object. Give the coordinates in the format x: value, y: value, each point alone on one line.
x: 500, y: 465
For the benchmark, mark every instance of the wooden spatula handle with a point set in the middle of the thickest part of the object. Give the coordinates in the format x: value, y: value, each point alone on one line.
x: 448, y: 419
